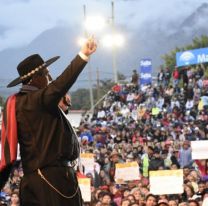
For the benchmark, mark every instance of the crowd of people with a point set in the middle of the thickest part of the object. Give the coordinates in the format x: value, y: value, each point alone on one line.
x: 152, y: 125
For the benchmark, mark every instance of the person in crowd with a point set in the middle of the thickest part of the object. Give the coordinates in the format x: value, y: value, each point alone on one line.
x: 174, y: 159
x: 185, y: 158
x: 184, y: 75
x: 193, y: 203
x: 110, y: 166
x: 106, y: 199
x: 48, y: 143
x: 135, y: 79
x: 134, y: 204
x: 156, y: 162
x: 205, y: 197
x: 172, y: 203
x: 146, y: 157
x: 176, y: 77
x: 167, y: 76
x: 14, y: 199
x: 135, y: 195
x: 125, y: 202
x: 188, y: 192
x: 161, y: 77
x: 201, y: 188
x: 151, y: 200
x: 163, y: 203
x: 132, y: 198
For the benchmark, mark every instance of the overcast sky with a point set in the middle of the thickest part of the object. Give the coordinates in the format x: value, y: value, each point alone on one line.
x: 21, y: 21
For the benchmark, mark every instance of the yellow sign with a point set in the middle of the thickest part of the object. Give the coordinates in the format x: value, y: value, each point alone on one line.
x: 85, y: 187
x: 127, y: 171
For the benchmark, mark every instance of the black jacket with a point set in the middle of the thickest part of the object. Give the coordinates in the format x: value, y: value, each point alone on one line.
x: 45, y: 136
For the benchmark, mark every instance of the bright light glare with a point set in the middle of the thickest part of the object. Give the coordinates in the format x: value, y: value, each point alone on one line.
x: 116, y: 40
x: 81, y: 41
x: 95, y: 23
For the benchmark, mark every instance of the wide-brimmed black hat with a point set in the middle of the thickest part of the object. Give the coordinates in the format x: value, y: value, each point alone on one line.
x: 29, y: 66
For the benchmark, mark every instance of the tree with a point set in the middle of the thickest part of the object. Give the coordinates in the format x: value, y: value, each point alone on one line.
x: 81, y: 97
x: 198, y: 42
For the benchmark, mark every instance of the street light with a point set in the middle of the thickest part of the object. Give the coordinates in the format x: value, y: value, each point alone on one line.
x: 81, y: 41
x: 108, y: 41
x: 114, y: 40
x: 94, y: 23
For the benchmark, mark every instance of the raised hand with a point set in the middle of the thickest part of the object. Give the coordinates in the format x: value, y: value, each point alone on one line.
x: 89, y: 46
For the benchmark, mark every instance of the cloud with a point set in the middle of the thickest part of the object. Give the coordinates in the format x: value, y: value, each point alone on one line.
x: 145, y: 29
x: 23, y: 20
x: 13, y: 1
x: 27, y: 19
x: 3, y: 30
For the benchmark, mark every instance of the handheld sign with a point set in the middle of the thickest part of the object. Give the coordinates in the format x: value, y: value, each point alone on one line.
x: 166, y: 182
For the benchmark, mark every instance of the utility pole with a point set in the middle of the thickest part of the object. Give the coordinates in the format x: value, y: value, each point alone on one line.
x: 98, y: 83
x: 89, y: 70
x: 114, y: 47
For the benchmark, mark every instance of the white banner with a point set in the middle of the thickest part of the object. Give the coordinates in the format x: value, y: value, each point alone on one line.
x: 199, y: 150
x: 84, y: 184
x: 127, y: 171
x: 87, y: 159
x: 166, y: 182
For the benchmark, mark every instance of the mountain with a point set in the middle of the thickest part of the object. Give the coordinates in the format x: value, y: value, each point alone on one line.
x: 151, y: 40
x: 156, y: 39
x: 194, y: 25
x: 197, y: 18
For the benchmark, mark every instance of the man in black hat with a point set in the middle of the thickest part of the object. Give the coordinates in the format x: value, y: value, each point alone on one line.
x: 48, y: 143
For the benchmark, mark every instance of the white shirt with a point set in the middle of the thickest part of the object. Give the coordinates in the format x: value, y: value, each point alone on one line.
x: 189, y: 104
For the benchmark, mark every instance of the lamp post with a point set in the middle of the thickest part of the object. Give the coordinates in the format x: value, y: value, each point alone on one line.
x: 92, y: 24
x: 113, y: 41
x: 95, y: 24
x: 114, y: 48
x: 89, y: 70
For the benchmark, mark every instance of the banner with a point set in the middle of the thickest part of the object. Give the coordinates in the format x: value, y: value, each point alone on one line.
x: 189, y: 57
x: 166, y: 182
x: 199, y: 149
x: 87, y: 160
x: 145, y: 72
x: 84, y: 184
x: 127, y: 172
